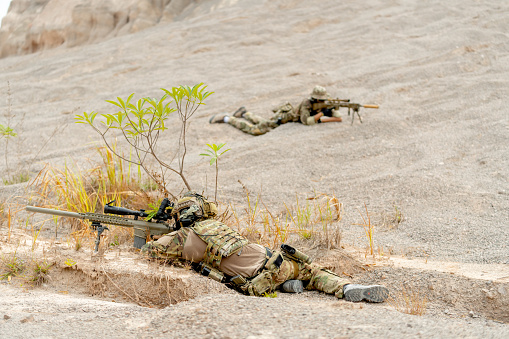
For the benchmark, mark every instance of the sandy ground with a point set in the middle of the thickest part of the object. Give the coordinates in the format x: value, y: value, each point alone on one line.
x: 436, y: 149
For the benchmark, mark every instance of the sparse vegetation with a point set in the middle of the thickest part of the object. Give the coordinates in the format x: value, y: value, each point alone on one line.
x: 11, y: 266
x: 77, y: 190
x: 40, y: 272
x: 392, y: 219
x: 369, y: 230
x: 141, y: 124
x: 316, y: 222
x: 409, y: 301
x: 69, y: 262
x: 214, y: 152
x: 270, y: 295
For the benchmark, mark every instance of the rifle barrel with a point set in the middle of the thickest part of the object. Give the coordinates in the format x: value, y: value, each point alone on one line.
x: 156, y: 227
x: 55, y: 212
x: 370, y: 106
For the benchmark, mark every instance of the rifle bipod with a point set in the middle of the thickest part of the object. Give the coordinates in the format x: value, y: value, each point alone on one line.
x: 100, y: 229
x: 355, y: 111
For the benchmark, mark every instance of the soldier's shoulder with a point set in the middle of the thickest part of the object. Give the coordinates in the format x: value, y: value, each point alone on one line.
x: 208, y: 222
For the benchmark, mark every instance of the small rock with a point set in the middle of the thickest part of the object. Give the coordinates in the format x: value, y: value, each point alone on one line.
x: 7, y: 317
x: 27, y: 319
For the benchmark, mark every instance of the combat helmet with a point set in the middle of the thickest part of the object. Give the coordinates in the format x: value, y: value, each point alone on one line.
x: 319, y: 93
x: 193, y: 207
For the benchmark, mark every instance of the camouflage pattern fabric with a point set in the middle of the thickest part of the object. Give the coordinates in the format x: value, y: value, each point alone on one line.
x: 319, y: 279
x: 255, y: 125
x: 170, y: 245
x: 304, y: 111
x: 222, y: 241
x: 269, y: 279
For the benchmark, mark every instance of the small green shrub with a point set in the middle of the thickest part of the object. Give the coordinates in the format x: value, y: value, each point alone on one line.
x: 11, y: 266
x: 40, y: 272
x: 214, y: 152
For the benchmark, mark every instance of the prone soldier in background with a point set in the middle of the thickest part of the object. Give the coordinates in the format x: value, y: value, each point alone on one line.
x: 221, y: 253
x: 307, y: 112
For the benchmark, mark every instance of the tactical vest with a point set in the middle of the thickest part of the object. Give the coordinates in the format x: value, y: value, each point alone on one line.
x: 222, y: 241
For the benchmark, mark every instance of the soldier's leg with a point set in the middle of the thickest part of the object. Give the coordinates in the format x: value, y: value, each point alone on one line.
x: 322, y: 279
x: 258, y: 120
x: 247, y: 127
x: 328, y: 282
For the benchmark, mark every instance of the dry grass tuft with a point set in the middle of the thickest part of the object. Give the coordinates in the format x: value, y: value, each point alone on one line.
x: 40, y: 272
x: 314, y: 222
x: 409, y: 301
x: 11, y: 266
x: 76, y: 190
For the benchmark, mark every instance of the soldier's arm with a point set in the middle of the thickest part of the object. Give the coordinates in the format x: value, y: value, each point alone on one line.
x: 305, y: 113
x: 331, y: 119
x: 170, y: 245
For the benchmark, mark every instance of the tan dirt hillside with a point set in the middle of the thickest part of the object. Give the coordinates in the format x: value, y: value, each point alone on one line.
x: 436, y: 150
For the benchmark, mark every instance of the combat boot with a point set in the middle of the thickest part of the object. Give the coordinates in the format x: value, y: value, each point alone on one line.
x: 293, y: 286
x: 373, y: 293
x: 240, y: 112
x: 218, y: 118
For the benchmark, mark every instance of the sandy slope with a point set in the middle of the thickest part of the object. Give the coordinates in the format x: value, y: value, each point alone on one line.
x: 436, y: 148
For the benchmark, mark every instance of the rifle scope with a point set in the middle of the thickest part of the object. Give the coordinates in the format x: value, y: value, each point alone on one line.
x: 123, y: 211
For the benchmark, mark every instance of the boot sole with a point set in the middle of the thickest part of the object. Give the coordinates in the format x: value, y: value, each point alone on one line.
x: 211, y: 120
x: 374, y: 294
x: 239, y: 113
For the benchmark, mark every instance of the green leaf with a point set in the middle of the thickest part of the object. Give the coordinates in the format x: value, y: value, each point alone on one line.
x: 129, y: 98
x: 92, y: 117
x: 121, y: 102
x: 114, y: 103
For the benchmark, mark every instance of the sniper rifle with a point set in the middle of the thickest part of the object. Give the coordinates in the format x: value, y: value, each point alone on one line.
x: 158, y: 224
x: 330, y: 104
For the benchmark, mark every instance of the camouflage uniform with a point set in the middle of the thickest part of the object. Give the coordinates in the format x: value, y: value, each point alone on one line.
x: 256, y: 125
x: 303, y: 113
x: 266, y: 278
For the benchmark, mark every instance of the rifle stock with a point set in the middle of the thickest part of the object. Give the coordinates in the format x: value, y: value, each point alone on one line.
x: 142, y: 229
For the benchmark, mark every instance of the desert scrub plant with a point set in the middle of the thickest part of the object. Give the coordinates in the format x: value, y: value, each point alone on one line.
x: 141, y: 124
x: 17, y: 178
x: 214, y: 152
x: 40, y: 272
x: 6, y: 131
x: 274, y: 228
x: 2, y: 213
x: 314, y: 220
x: 270, y: 295
x: 9, y: 131
x: 369, y: 230
x: 11, y: 266
x: 391, y: 220
x: 77, y: 190
x: 69, y: 263
x: 409, y: 301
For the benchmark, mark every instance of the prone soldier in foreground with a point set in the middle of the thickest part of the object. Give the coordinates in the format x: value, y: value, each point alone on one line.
x: 219, y: 252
